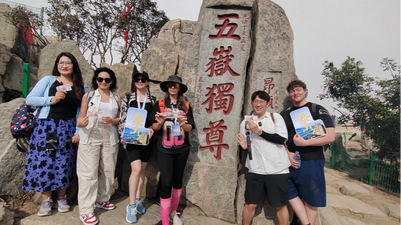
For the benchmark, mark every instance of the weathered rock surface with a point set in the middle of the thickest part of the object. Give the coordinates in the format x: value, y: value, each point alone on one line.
x: 50, y: 52
x: 124, y: 77
x: 351, y: 221
x: 165, y: 54
x: 8, y: 32
x: 329, y: 216
x: 343, y: 203
x: 393, y: 210
x: 6, y: 216
x: 11, y: 160
x: 12, y: 78
x: 354, y: 190
x: 5, y: 56
x: 272, y: 64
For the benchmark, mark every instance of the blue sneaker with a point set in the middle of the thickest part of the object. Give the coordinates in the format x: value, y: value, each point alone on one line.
x: 131, y: 214
x: 139, y: 207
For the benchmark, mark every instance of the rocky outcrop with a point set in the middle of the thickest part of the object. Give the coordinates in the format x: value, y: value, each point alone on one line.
x: 12, y: 78
x: 11, y: 160
x: 123, y: 75
x: 6, y: 216
x: 165, y: 54
x: 8, y: 32
x: 393, y: 210
x: 358, y: 208
x: 50, y: 52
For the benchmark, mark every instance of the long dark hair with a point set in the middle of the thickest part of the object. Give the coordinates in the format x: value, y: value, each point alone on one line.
x: 180, y: 100
x: 76, y: 73
x: 113, y: 86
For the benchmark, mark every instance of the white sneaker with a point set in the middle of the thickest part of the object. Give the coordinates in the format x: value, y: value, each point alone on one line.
x: 89, y: 219
x: 45, y: 208
x: 174, y: 217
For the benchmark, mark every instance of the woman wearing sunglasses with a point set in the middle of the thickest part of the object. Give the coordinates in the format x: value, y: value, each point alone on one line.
x: 173, y: 120
x: 98, y: 146
x: 138, y: 155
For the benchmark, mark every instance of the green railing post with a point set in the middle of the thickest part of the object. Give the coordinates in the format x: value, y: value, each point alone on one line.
x: 372, y: 167
x: 333, y: 150
x: 25, y: 79
x: 41, y: 20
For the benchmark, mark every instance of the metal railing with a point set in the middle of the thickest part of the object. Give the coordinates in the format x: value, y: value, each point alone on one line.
x: 384, y: 176
x: 36, y: 10
x: 379, y: 173
x: 30, y: 8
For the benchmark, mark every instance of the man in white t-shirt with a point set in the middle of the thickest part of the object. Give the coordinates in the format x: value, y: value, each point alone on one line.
x: 268, y: 167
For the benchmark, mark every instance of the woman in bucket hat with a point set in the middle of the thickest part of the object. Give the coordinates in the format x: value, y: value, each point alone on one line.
x: 173, y: 120
x: 137, y: 155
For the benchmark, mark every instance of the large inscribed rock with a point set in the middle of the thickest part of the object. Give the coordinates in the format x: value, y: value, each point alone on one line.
x: 223, y: 57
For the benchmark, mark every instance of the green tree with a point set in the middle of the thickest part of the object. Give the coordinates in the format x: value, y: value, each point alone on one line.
x: 368, y: 102
x: 101, y: 27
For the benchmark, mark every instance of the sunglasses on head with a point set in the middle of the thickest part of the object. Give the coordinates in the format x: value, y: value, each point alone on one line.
x: 137, y: 79
x: 175, y: 85
x: 101, y: 79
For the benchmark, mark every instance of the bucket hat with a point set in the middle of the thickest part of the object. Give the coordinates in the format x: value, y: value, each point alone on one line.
x: 173, y: 79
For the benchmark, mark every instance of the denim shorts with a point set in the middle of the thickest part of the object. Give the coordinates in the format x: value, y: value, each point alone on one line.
x: 308, y: 182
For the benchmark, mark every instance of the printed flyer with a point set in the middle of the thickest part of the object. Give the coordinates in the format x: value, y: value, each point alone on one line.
x: 305, y: 125
x: 134, y: 130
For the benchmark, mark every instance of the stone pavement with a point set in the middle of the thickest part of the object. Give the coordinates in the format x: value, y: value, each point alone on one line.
x: 349, y: 202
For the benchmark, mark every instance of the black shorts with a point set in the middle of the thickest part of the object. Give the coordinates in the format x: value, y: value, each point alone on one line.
x: 135, y: 152
x: 274, y: 186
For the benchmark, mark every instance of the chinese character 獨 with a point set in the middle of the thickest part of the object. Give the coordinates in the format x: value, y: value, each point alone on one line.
x: 221, y: 100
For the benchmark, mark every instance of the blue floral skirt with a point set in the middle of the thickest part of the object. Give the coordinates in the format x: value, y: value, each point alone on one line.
x: 50, y: 170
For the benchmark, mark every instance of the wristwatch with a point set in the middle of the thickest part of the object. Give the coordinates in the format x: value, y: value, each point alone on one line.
x: 260, y: 131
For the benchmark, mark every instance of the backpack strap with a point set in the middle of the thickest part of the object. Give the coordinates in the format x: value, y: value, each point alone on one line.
x: 90, y: 96
x: 271, y: 115
x: 187, y: 105
x: 313, y: 108
x: 285, y: 110
x: 161, y: 105
x: 127, y: 98
x: 153, y: 99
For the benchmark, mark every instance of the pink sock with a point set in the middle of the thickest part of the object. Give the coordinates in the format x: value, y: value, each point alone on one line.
x: 176, y: 195
x: 165, y: 209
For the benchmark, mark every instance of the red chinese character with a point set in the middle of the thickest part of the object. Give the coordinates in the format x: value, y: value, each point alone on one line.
x: 245, y: 19
x: 221, y: 99
x: 221, y: 62
x: 214, y: 138
x: 222, y: 27
x: 268, y: 84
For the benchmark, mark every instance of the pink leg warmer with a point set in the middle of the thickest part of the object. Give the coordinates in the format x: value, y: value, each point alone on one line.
x: 165, y: 209
x: 176, y: 195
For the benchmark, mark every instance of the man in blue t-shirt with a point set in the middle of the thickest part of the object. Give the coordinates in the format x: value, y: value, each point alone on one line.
x: 307, y: 189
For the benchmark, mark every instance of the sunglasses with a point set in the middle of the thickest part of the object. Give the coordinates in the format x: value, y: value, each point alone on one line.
x: 175, y: 85
x: 136, y: 80
x: 101, y: 79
